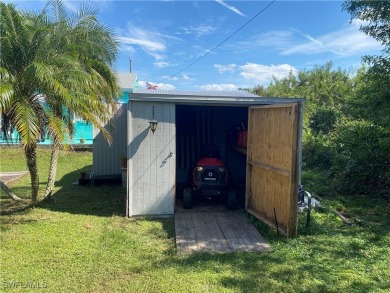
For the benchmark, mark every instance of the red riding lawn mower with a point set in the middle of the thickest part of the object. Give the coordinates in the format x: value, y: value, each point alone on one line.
x: 210, y: 180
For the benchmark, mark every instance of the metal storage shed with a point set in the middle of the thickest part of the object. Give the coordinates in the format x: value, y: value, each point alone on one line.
x: 106, y: 158
x: 272, y: 159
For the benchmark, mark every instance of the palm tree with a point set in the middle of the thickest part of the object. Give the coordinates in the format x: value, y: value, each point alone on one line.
x: 94, y: 88
x: 21, y: 59
x: 42, y: 55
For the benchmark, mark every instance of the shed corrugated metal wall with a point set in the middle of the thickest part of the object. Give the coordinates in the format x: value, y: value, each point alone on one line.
x: 152, y: 163
x: 106, y: 158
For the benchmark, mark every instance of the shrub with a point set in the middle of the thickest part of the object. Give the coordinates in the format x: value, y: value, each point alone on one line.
x: 323, y: 120
x: 362, y: 157
x: 317, y: 152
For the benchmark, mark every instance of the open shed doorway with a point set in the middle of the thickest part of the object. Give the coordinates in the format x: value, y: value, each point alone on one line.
x: 266, y: 174
x: 204, y: 125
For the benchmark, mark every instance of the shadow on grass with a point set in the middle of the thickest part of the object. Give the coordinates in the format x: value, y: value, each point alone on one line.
x: 13, y: 207
x: 103, y: 201
x: 168, y: 227
x: 10, y: 206
x: 315, y: 262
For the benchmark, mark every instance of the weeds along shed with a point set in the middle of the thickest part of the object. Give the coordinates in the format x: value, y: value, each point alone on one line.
x: 268, y: 168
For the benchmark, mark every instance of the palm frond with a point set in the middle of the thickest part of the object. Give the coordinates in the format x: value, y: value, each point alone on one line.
x: 6, y: 95
x: 56, y: 128
x: 14, y: 36
x: 26, y: 122
x: 65, y: 55
x: 56, y: 10
x: 6, y: 90
x: 87, y: 12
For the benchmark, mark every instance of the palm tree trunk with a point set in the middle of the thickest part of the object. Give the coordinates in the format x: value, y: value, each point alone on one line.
x: 52, y: 171
x: 31, y: 156
x: 9, y: 192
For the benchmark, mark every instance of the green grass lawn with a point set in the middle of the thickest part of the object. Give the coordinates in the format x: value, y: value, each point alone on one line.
x: 80, y: 241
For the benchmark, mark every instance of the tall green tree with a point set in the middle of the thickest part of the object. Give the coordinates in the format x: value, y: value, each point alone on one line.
x: 325, y: 90
x: 42, y: 57
x: 362, y: 145
x: 94, y: 47
x: 22, y: 62
x: 373, y: 98
x: 375, y: 17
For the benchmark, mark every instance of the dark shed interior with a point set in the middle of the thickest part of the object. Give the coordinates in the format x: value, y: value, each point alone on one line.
x: 218, y: 125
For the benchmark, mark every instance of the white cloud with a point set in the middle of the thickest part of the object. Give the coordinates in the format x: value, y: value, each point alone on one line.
x: 348, y: 41
x: 345, y: 42
x: 230, y: 7
x: 165, y: 86
x: 149, y: 40
x: 263, y: 73
x: 186, y: 77
x: 163, y: 64
x: 199, y: 30
x: 276, y: 40
x: 200, y: 51
x: 225, y: 68
x: 127, y: 48
x: 142, y: 84
x: 160, y: 86
x: 219, y: 87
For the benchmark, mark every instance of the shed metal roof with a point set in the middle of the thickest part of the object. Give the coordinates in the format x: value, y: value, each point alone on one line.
x: 205, y: 97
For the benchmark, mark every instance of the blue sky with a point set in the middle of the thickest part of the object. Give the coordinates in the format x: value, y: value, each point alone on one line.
x: 164, y: 37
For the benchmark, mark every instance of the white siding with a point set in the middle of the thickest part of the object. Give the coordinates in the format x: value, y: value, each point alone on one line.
x: 106, y: 158
x: 152, y: 159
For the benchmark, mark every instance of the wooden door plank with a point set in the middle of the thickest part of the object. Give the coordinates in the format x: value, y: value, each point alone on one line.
x: 272, y: 165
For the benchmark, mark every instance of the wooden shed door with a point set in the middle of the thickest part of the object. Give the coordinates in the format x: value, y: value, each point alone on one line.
x: 272, y: 165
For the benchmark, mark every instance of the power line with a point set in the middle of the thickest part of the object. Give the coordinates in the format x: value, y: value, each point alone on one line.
x: 221, y: 43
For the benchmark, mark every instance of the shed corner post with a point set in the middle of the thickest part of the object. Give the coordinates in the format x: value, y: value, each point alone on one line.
x: 297, y: 157
x: 300, y: 132
x: 129, y: 134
